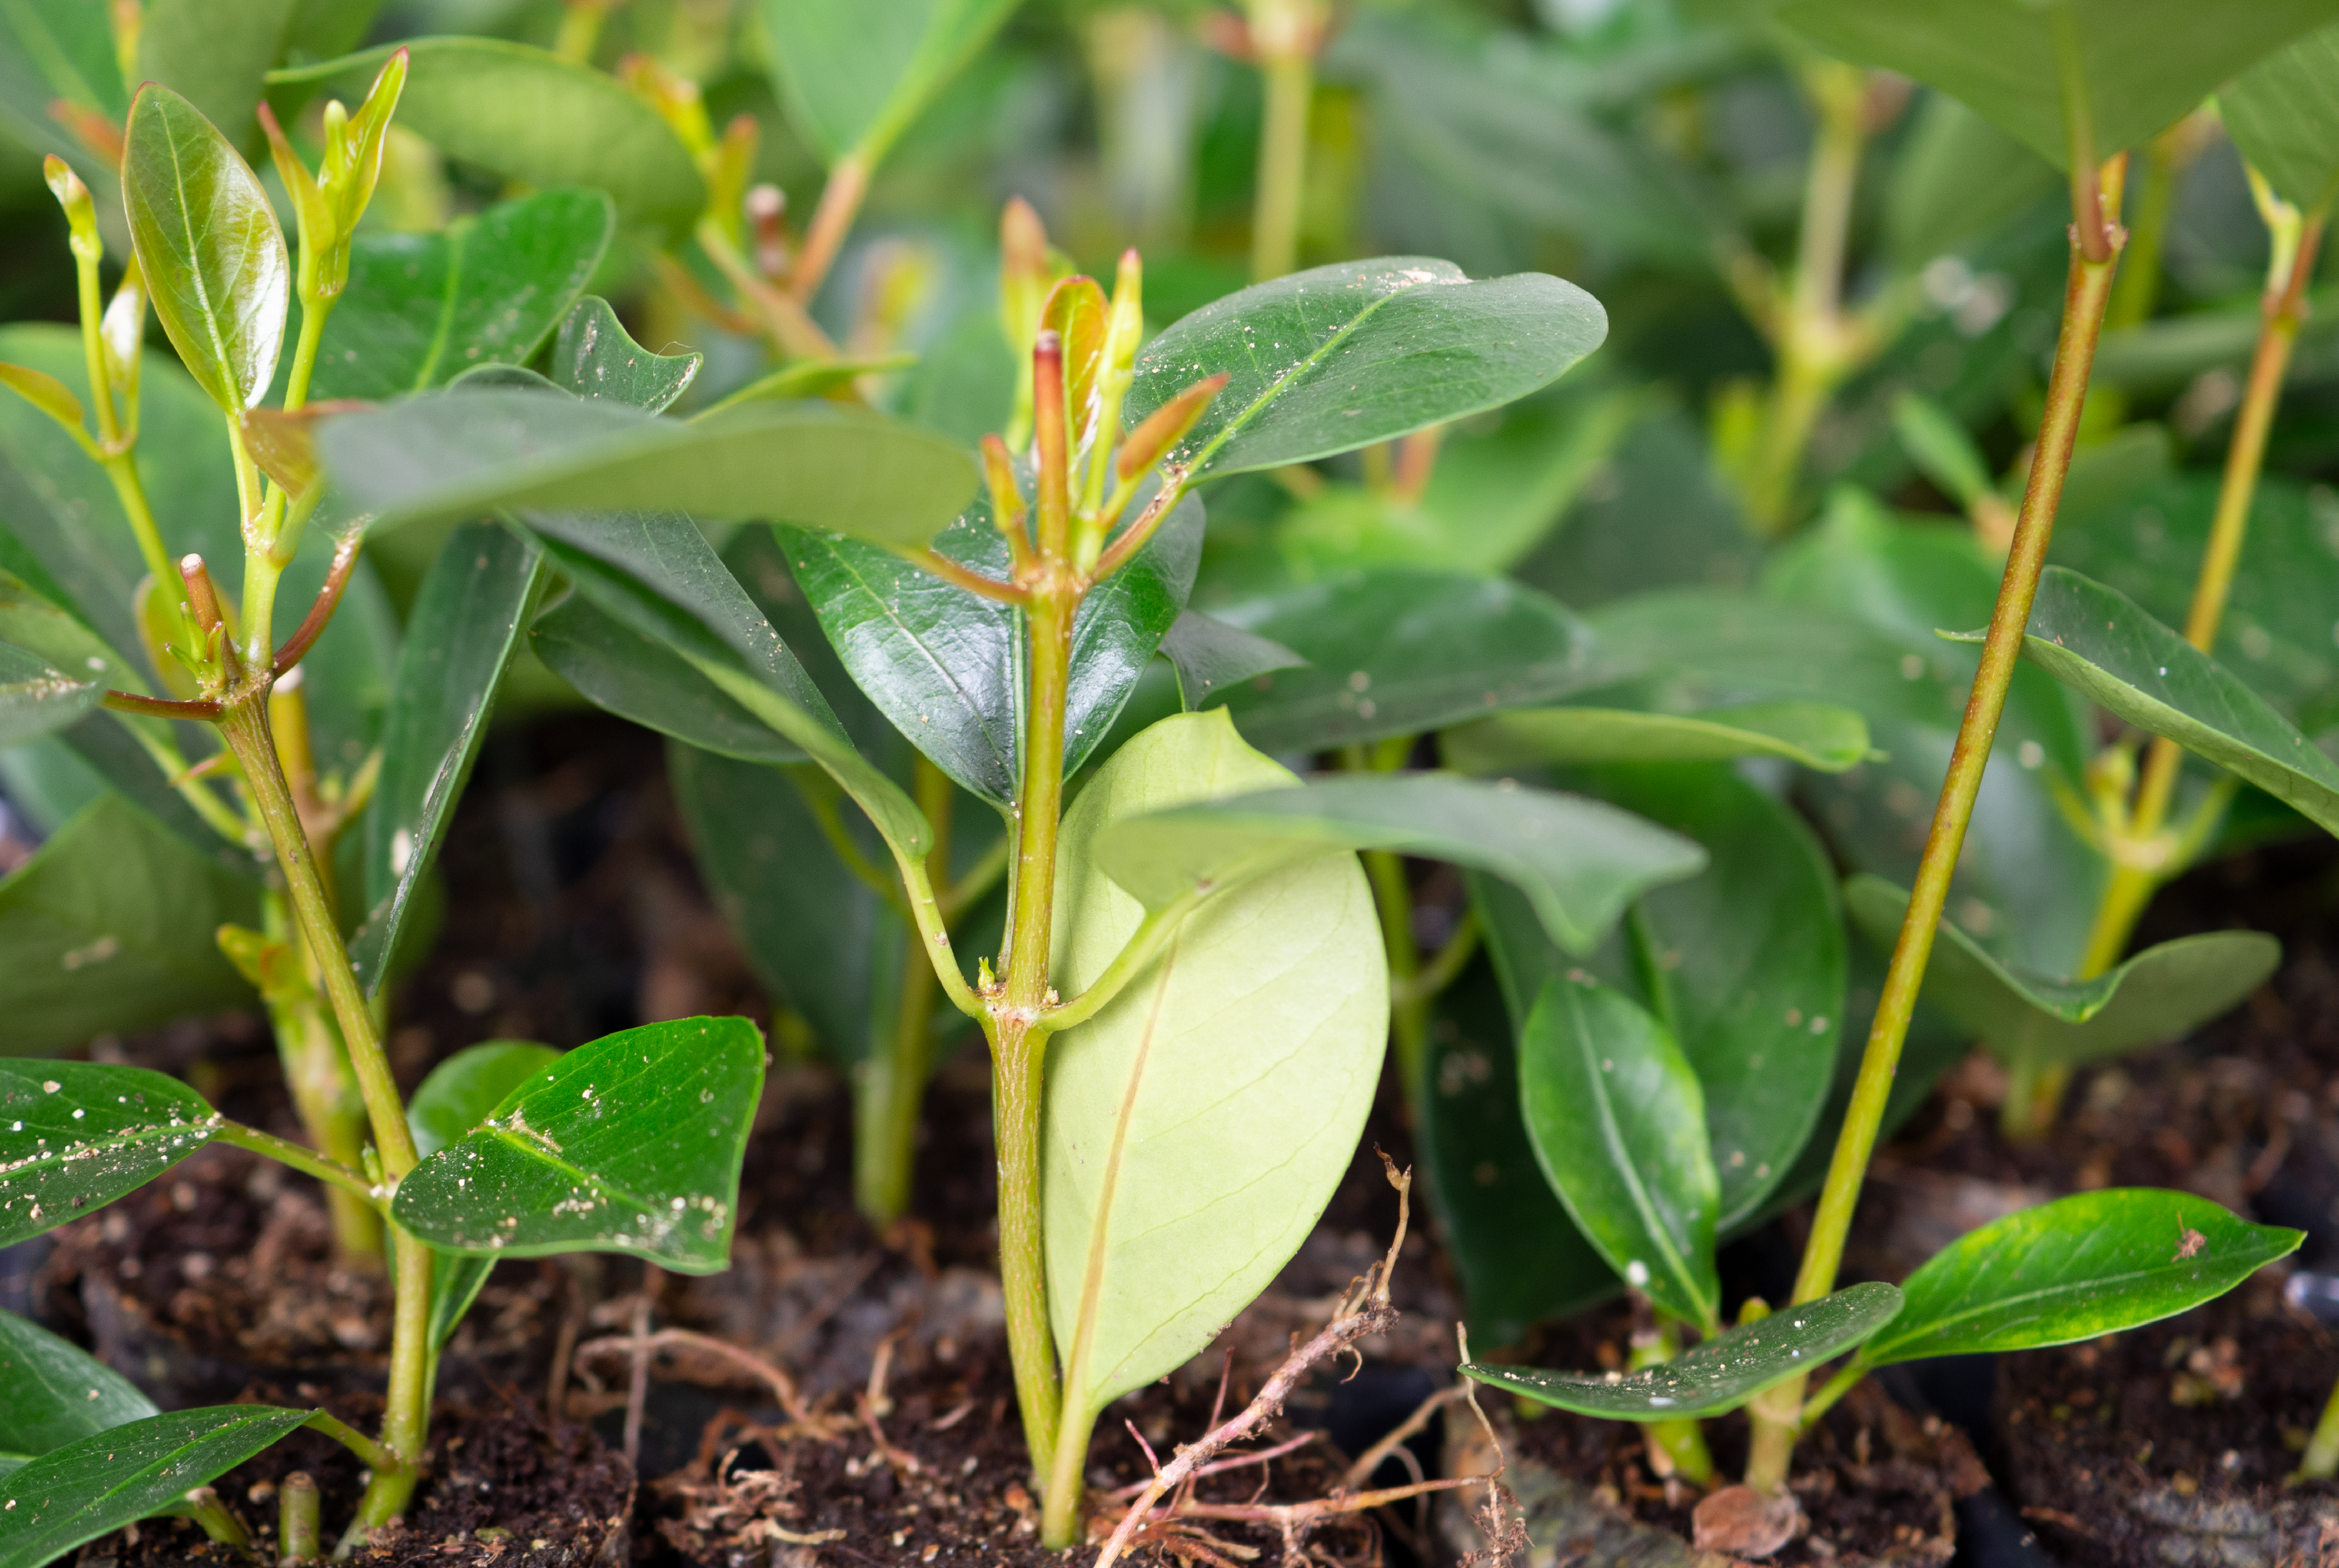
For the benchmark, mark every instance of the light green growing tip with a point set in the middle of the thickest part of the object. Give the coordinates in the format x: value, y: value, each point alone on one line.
x: 80, y: 211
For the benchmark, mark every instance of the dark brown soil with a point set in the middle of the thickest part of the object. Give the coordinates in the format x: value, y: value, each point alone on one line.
x: 502, y: 1489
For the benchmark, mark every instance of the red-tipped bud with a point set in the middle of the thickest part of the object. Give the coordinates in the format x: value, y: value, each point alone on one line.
x: 1166, y: 427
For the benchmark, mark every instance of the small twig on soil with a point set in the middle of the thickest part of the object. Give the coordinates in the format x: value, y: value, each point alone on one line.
x: 782, y: 1386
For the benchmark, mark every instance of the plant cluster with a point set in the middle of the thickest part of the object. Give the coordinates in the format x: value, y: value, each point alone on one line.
x: 982, y: 725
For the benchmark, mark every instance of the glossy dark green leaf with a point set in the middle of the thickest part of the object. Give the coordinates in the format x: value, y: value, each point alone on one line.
x: 36, y: 698
x: 1483, y: 1181
x: 464, y: 1089
x: 107, y: 930
x: 1617, y: 1119
x: 2282, y: 113
x: 655, y: 574
x: 639, y: 678
x: 209, y: 247
x: 2139, y: 64
x: 1719, y: 1376
x: 2096, y: 640
x: 1396, y: 651
x: 534, y: 118
x: 596, y: 357
x: 1212, y: 655
x: 944, y: 664
x: 75, y: 1136
x: 55, y: 1392
x: 1580, y: 861
x: 820, y: 465
x: 1815, y: 736
x: 630, y: 1144
x: 2162, y: 993
x: 1743, y: 963
x: 462, y: 634
x: 855, y: 76
x: 489, y: 288
x: 2093, y: 1262
x: 1337, y: 358
x: 115, y: 1477
x: 216, y: 52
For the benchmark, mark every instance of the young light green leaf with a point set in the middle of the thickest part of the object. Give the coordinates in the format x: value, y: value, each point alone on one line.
x: 1942, y: 449
x: 1172, y: 1194
x: 1817, y: 735
x: 639, y: 678
x: 35, y: 698
x: 45, y: 392
x: 2161, y: 993
x: 489, y: 288
x: 2138, y: 63
x: 75, y: 1136
x: 2093, y: 1262
x: 108, y: 928
x: 1398, y: 650
x: 56, y: 1392
x: 2096, y: 640
x: 115, y: 1477
x: 1744, y: 962
x: 943, y: 664
x: 455, y: 1283
x: 1617, y: 1119
x: 1340, y: 357
x: 2283, y: 115
x: 216, y: 51
x: 1955, y: 178
x: 207, y: 245
x: 1580, y: 861
x: 855, y: 76
x: 630, y: 1144
x: 1717, y: 1377
x: 1210, y: 655
x: 460, y: 636
x: 820, y: 465
x: 464, y: 1089
x: 534, y: 118
x: 596, y: 357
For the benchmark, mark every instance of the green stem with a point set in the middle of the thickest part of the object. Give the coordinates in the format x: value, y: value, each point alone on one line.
x: 1833, y: 1389
x: 1290, y: 75
x: 92, y: 347
x: 298, y: 1156
x: 1677, y: 1445
x: 892, y: 1083
x: 1777, y: 1414
x: 2321, y: 1460
x: 406, y: 1420
x: 299, y: 1515
x: 121, y: 469
x: 832, y: 220
x: 370, y: 1452
x: 204, y: 1506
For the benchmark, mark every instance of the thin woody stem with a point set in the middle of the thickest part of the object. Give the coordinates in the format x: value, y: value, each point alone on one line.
x: 840, y: 202
x: 320, y: 613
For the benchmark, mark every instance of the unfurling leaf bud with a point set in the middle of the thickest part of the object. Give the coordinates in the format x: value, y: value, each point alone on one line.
x: 1166, y: 427
x: 80, y: 212
x: 1024, y: 274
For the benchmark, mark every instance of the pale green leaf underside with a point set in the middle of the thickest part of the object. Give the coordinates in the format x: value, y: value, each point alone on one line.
x: 1815, y: 736
x: 1719, y: 1376
x: 2283, y: 115
x: 1195, y: 1128
x: 2161, y: 993
x: 2090, y: 1263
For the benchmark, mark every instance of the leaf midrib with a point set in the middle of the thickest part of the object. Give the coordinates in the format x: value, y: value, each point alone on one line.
x: 195, y: 264
x: 2007, y: 1303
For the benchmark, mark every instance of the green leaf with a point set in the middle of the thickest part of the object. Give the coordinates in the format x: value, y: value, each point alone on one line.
x: 1340, y: 357
x: 1957, y: 177
x: 209, y: 246
x: 2097, y: 641
x: 216, y: 52
x: 656, y: 575
x: 855, y: 76
x: 112, y: 1478
x: 489, y: 288
x: 1396, y: 651
x: 2093, y: 1262
x: 2140, y: 64
x: 1719, y: 1376
x: 1942, y: 449
x: 1745, y: 964
x: 464, y: 1089
x: 35, y: 698
x: 820, y: 465
x: 56, y: 1392
x: 946, y: 664
x: 75, y: 1136
x: 1618, y: 1123
x: 595, y: 356
x: 1173, y: 1190
x: 2283, y: 115
x: 461, y: 633
x: 1210, y: 655
x: 534, y: 118
x: 107, y: 930
x: 2161, y: 993
x: 639, y: 678
x: 1816, y: 735
x: 630, y: 1144
x: 1580, y: 861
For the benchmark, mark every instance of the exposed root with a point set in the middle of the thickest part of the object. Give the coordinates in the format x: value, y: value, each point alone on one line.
x: 802, y: 1419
